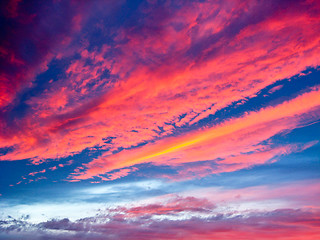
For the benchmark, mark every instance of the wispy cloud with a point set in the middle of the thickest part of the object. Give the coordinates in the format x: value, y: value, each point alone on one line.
x: 148, y: 83
x: 236, y: 143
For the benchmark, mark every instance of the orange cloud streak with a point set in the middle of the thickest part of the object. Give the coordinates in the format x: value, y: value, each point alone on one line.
x: 233, y: 137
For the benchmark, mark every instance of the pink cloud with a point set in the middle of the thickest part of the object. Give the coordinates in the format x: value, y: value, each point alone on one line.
x: 210, y: 62
x: 119, y: 174
x: 274, y: 89
x: 34, y: 173
x: 232, y: 140
x: 172, y: 206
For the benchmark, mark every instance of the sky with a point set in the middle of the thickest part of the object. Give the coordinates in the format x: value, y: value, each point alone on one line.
x: 160, y: 119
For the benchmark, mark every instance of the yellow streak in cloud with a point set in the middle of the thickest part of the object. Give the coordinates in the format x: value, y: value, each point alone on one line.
x: 286, y: 109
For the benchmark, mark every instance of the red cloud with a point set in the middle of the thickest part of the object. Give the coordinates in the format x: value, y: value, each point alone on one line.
x: 173, y: 206
x: 201, y: 58
x: 231, y: 141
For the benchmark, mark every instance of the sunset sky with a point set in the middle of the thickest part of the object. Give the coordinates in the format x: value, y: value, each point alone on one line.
x: 160, y: 119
